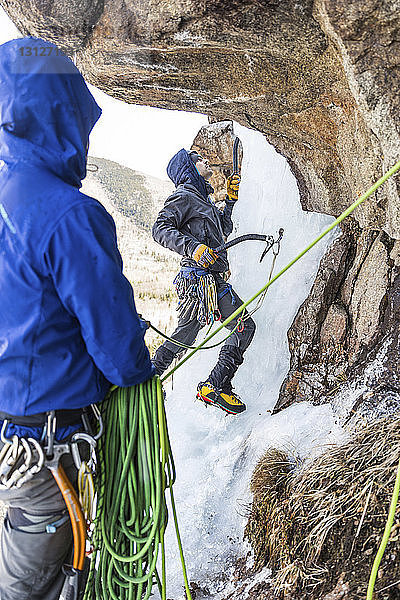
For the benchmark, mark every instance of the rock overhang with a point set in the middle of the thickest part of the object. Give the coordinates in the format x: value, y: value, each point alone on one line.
x: 317, y: 78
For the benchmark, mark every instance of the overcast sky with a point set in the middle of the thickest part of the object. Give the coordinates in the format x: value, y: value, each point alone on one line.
x: 139, y: 137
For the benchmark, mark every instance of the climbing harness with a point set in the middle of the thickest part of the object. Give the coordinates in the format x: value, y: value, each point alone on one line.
x: 21, y: 458
x: 131, y: 517
x: 128, y: 491
x: 196, y: 290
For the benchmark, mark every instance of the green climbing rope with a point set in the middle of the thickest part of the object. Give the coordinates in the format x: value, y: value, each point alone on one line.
x: 136, y: 469
x: 344, y: 214
x: 186, y: 347
x: 385, y: 537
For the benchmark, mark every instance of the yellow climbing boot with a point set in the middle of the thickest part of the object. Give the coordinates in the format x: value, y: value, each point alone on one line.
x: 227, y: 401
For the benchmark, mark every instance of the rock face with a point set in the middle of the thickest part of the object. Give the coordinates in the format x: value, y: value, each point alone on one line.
x: 321, y: 80
x: 216, y: 142
x: 349, y: 318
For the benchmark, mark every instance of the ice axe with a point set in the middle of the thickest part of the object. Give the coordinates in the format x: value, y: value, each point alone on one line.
x: 270, y: 241
x: 236, y: 156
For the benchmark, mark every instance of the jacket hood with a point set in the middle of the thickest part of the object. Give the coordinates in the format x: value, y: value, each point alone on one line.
x: 181, y: 169
x: 46, y: 109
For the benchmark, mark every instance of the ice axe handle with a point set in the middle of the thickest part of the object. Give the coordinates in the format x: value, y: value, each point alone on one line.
x: 75, y: 514
x: 243, y: 238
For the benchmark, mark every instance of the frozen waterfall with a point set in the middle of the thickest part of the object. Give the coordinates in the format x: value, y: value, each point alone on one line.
x: 215, y: 454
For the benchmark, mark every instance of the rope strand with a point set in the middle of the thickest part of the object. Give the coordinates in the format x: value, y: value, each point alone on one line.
x: 337, y: 221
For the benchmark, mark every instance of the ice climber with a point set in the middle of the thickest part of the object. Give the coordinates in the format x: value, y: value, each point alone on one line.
x: 192, y: 225
x: 68, y: 322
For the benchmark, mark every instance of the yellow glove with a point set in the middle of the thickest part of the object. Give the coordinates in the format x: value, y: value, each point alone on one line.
x: 204, y: 256
x: 232, y: 186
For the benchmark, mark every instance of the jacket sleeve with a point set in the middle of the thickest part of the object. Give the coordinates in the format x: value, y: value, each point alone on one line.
x: 83, y: 260
x: 166, y: 229
x: 226, y: 217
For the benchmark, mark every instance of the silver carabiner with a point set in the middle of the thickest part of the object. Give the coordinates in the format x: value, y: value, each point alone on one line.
x: 51, y: 427
x: 3, y: 437
x: 10, y: 458
x: 22, y: 468
x: 81, y: 437
x: 99, y: 418
x: 35, y: 468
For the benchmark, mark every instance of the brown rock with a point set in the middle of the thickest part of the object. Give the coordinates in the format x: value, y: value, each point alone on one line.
x: 334, y: 328
x: 319, y: 79
x: 215, y: 141
x: 366, y: 300
x: 314, y: 365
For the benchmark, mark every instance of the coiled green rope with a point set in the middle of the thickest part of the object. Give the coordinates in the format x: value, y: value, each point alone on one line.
x: 136, y: 469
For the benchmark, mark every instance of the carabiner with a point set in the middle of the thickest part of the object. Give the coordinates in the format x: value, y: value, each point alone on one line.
x: 81, y: 437
x: 3, y: 437
x: 99, y: 418
x: 51, y: 427
x: 35, y: 468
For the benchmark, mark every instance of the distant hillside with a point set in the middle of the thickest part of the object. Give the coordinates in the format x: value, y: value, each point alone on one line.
x: 136, y: 195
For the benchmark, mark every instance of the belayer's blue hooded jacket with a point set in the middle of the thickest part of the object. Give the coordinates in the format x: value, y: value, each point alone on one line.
x: 68, y: 322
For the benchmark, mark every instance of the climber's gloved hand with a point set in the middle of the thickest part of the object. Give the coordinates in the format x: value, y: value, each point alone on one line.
x: 232, y: 187
x: 204, y: 256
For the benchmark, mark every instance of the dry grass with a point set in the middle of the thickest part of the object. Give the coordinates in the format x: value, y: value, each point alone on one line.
x: 327, y: 518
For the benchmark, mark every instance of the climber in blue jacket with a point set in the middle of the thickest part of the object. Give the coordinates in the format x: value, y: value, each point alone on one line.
x: 68, y: 323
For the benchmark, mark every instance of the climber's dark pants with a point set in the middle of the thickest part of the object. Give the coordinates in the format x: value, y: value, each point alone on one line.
x: 231, y: 355
x: 30, y: 558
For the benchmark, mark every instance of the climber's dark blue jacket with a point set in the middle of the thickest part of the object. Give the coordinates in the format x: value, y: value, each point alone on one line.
x: 68, y: 322
x: 190, y: 217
